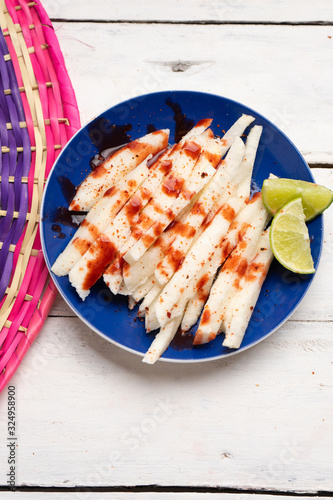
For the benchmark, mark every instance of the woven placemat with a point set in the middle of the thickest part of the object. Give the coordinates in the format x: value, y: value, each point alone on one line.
x: 38, y: 115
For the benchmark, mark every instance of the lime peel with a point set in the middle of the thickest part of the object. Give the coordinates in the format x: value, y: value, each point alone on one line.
x: 289, y: 238
x: 277, y: 192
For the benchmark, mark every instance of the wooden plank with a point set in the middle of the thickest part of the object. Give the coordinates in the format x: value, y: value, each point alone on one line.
x: 316, y: 306
x: 24, y: 495
x: 89, y: 413
x: 187, y: 10
x: 284, y: 72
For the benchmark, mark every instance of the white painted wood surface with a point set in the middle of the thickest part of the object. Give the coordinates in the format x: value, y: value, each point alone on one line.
x: 90, y: 414
x: 283, y: 72
x: 188, y: 10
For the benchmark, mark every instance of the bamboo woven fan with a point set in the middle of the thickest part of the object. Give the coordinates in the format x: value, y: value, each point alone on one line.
x: 38, y: 115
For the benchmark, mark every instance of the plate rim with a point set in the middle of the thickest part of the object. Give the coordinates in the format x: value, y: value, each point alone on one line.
x: 103, y: 335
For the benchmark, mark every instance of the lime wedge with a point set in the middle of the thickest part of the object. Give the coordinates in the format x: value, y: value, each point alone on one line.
x: 289, y: 238
x: 277, y: 192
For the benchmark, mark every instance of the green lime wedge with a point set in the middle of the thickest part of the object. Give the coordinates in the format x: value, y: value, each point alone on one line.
x: 277, y: 192
x: 289, y: 238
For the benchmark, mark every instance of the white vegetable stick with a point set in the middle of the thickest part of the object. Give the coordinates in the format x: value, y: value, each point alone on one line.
x: 242, y: 304
x: 149, y: 298
x: 200, y: 252
x: 161, y: 341
x: 236, y: 130
x: 195, y: 306
x: 137, y: 274
x: 227, y: 281
x: 135, y: 250
x: 165, y: 195
x: 116, y: 167
x: 123, y: 290
x: 198, y: 129
x: 143, y: 289
x: 183, y: 157
x: 104, y: 249
x: 235, y: 233
x: 203, y: 171
x: 99, y: 217
x: 151, y: 322
x: 217, y: 187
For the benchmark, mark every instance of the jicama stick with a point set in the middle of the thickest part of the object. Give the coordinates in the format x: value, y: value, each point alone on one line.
x: 197, y: 290
x: 216, y: 188
x: 105, y: 248
x: 240, y: 308
x: 149, y: 298
x: 137, y: 273
x: 200, y: 252
x: 224, y: 144
x: 151, y: 322
x: 162, y: 341
x: 116, y: 167
x: 202, y: 173
x: 183, y: 161
x: 196, y: 304
x: 99, y: 217
x: 141, y: 291
x: 228, y: 279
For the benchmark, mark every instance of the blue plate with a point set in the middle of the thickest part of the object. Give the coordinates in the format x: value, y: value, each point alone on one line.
x: 109, y: 315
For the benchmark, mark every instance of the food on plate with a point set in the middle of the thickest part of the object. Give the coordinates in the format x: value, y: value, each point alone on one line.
x: 289, y: 238
x: 277, y: 192
x: 175, y: 229
x: 114, y: 168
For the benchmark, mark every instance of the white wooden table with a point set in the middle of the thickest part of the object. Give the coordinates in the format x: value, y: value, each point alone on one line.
x: 94, y: 421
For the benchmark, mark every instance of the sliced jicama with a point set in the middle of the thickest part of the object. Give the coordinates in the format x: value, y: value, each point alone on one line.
x: 224, y: 144
x: 116, y: 167
x: 241, y: 306
x: 141, y: 291
x: 151, y: 322
x: 137, y: 273
x: 200, y: 252
x: 162, y: 341
x: 228, y: 278
x: 183, y: 160
x: 202, y: 173
x: 103, y: 251
x: 99, y: 217
x: 217, y: 189
x: 149, y: 298
x: 195, y: 305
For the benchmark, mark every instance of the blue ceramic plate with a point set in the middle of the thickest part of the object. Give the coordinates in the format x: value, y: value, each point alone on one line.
x: 109, y: 315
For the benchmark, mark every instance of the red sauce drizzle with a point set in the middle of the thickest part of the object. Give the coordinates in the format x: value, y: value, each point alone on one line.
x: 202, y: 281
x: 192, y: 149
x: 81, y: 245
x: 98, y: 172
x: 172, y: 185
x: 132, y: 207
x: 241, y: 268
x: 93, y: 230
x: 147, y: 240
x: 110, y: 191
x: 104, y: 253
x: 166, y: 166
x: 228, y: 212
x: 205, y: 316
x: 175, y: 258
x: 158, y: 228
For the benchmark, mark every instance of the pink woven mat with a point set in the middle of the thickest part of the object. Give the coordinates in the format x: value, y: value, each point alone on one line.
x: 38, y: 115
